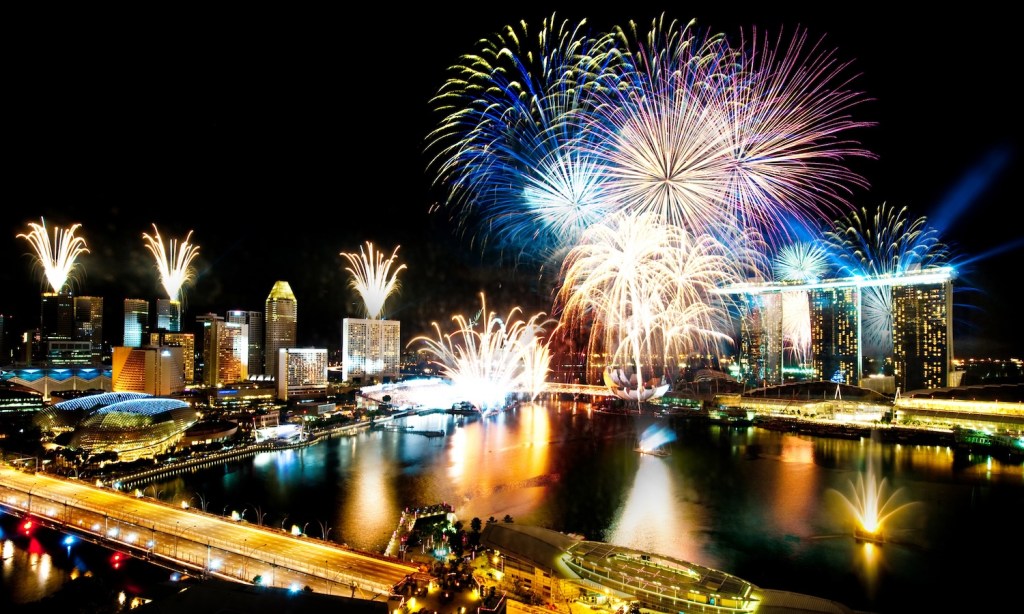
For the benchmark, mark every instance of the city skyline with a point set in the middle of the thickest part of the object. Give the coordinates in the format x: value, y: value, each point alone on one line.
x: 252, y: 145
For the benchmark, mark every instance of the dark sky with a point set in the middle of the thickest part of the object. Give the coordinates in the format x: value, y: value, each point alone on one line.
x: 282, y: 139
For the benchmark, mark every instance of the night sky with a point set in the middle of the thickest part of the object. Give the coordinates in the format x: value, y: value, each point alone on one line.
x: 283, y: 139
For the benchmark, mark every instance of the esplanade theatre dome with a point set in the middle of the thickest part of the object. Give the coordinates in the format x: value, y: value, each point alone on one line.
x: 128, y: 424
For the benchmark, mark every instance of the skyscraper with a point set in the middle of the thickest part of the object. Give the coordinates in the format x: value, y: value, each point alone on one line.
x: 281, y: 320
x: 252, y: 323
x: 186, y: 341
x: 153, y: 370
x: 206, y: 348
x: 922, y: 335
x: 168, y: 315
x: 301, y: 373
x: 371, y: 349
x: 56, y: 322
x: 136, y: 321
x: 89, y: 323
x: 835, y: 333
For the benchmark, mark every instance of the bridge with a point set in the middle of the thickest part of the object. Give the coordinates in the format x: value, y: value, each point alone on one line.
x: 194, y: 542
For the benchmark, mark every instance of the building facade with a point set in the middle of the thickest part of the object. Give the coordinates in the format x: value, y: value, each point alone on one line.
x: 371, y: 350
x: 136, y: 321
x: 168, y: 315
x: 835, y: 334
x: 89, y: 323
x: 280, y: 322
x: 301, y: 373
x: 186, y: 341
x: 153, y: 370
x: 923, y: 335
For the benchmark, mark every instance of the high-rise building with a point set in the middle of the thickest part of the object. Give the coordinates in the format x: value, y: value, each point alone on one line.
x: 89, y: 323
x: 923, y: 335
x: 152, y: 370
x: 371, y: 350
x: 301, y: 373
x: 252, y: 332
x: 168, y: 315
x: 186, y: 341
x: 280, y: 323
x: 835, y: 333
x: 232, y: 352
x: 136, y: 321
x: 56, y: 322
x: 206, y: 348
x: 5, y: 355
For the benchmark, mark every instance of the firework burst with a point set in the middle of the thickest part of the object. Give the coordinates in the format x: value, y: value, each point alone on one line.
x: 173, y: 261
x: 506, y: 146
x: 801, y: 262
x: 373, y: 278
x: 505, y: 355
x: 643, y: 290
x: 57, y: 258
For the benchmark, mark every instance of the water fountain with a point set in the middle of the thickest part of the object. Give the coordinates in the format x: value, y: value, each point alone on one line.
x: 871, y: 505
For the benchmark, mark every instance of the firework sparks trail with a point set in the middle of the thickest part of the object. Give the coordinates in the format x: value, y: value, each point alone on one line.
x: 505, y: 356
x: 57, y: 258
x: 373, y: 278
x: 506, y: 144
x: 882, y: 243
x: 645, y: 290
x: 173, y: 261
x: 803, y: 262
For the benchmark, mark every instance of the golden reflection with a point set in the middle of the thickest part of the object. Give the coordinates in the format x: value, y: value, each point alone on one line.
x: 654, y: 518
x: 371, y: 508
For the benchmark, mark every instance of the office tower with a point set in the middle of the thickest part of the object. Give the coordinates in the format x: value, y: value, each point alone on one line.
x: 206, y: 349
x: 281, y: 317
x: 835, y: 333
x: 5, y: 356
x: 168, y: 315
x: 252, y: 327
x: 186, y: 341
x: 152, y: 370
x: 922, y: 335
x: 301, y: 373
x: 89, y: 323
x: 136, y: 321
x: 232, y: 352
x: 371, y: 350
x: 56, y: 321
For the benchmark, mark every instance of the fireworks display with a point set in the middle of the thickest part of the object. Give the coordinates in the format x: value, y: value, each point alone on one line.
x: 507, y: 143
x: 59, y: 257
x: 504, y: 356
x: 882, y: 243
x: 644, y: 290
x: 373, y: 277
x: 173, y: 261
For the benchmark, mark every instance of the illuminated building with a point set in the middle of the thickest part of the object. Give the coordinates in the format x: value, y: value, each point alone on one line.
x: 5, y: 356
x: 69, y: 353
x: 252, y: 323
x: 168, y: 315
x: 186, y: 341
x: 89, y: 323
x: 923, y: 335
x: 761, y: 340
x: 301, y: 373
x: 47, y: 381
x: 223, y: 349
x: 155, y: 370
x: 280, y: 324
x: 371, y: 350
x: 835, y: 334
x: 132, y: 426
x: 56, y: 322
x: 232, y: 352
x: 136, y: 321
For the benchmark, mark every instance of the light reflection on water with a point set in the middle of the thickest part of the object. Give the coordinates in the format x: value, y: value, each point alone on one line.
x: 751, y: 502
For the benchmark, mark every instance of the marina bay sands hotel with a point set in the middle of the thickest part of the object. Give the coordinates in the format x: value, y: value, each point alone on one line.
x: 892, y: 333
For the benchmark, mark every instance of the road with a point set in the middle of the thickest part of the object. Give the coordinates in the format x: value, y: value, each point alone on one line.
x: 197, y: 542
